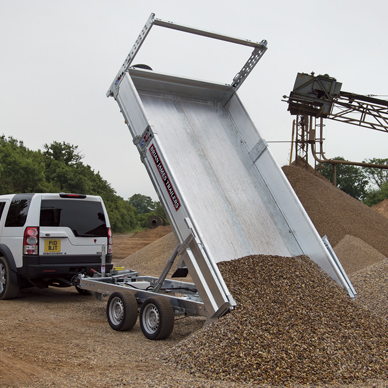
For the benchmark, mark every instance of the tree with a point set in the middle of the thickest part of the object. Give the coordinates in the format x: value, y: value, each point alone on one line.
x: 122, y: 215
x: 145, y: 208
x: 64, y: 168
x: 22, y: 170
x: 350, y: 179
x: 378, y: 179
x: 375, y: 196
x: 377, y: 176
x: 63, y: 152
x: 59, y: 168
x: 142, y: 203
x: 159, y: 211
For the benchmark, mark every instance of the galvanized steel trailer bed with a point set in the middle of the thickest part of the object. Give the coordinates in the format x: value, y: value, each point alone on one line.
x: 223, y: 192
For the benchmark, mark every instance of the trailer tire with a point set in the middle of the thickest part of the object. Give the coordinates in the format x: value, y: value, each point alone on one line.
x: 121, y: 311
x: 156, y: 318
x: 8, y: 290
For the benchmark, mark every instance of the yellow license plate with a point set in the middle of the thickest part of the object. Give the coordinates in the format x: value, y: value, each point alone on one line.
x: 52, y: 246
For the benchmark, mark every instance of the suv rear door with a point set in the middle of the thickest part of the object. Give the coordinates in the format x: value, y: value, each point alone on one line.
x: 72, y: 225
x: 13, y: 221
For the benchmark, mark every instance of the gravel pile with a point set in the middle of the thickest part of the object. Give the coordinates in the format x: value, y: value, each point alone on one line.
x: 371, y: 284
x: 292, y: 325
x: 336, y: 214
x: 152, y: 259
x: 382, y: 207
x: 357, y: 253
x: 124, y: 244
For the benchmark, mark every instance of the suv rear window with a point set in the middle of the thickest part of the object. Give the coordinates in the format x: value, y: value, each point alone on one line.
x: 84, y: 218
x: 17, y: 213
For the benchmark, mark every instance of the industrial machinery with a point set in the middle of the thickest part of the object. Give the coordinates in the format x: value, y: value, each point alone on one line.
x: 315, y: 98
x: 219, y: 184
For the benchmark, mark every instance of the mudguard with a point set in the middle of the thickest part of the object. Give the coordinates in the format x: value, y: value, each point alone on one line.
x: 7, y: 254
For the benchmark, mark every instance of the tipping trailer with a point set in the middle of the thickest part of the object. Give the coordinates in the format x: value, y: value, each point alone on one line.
x: 219, y: 184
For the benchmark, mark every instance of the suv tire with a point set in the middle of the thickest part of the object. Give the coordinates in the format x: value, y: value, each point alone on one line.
x: 8, y: 290
x: 81, y: 291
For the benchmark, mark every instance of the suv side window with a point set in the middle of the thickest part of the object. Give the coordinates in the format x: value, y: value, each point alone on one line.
x: 18, y: 210
x: 84, y: 218
x: 2, y: 204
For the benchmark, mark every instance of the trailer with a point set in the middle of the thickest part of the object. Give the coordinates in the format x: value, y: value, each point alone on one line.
x: 223, y: 192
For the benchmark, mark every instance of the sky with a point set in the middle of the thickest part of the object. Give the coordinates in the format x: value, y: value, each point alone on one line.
x: 58, y: 59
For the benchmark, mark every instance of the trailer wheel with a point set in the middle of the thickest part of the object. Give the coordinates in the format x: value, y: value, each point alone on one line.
x: 121, y: 311
x: 156, y: 318
x: 8, y: 290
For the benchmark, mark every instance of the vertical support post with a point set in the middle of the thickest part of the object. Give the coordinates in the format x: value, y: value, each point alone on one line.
x: 321, y: 137
x: 335, y: 174
x: 128, y: 60
x: 292, y: 140
x: 166, y: 270
x: 257, y: 53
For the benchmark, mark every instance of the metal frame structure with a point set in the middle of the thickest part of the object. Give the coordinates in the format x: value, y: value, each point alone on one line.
x: 258, y: 52
x: 363, y: 111
x: 315, y: 98
x: 183, y: 296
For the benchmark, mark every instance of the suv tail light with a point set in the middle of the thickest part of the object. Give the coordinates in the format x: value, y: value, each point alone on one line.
x: 110, y: 241
x: 31, y: 241
x: 79, y: 196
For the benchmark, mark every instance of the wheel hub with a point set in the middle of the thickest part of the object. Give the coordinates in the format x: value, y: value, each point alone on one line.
x: 117, y: 311
x: 152, y: 318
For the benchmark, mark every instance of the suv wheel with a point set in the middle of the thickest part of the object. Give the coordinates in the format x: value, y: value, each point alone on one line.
x: 8, y: 290
x: 82, y: 291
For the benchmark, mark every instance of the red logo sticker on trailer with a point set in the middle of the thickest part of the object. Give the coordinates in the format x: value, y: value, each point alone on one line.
x: 165, y: 178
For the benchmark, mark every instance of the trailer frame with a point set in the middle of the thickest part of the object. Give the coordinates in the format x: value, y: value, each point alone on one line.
x: 221, y: 189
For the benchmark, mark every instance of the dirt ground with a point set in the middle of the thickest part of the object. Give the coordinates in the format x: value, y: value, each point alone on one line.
x: 59, y: 338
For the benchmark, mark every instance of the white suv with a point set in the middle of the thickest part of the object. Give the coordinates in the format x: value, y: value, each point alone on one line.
x: 48, y: 239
